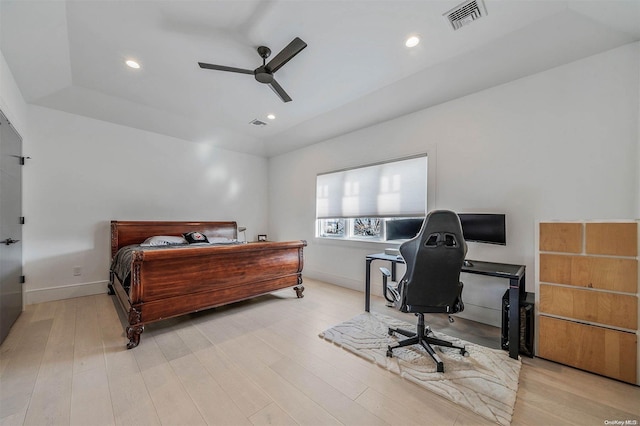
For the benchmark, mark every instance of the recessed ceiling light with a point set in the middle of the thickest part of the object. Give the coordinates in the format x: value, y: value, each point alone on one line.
x: 412, y: 41
x: 271, y: 117
x: 132, y: 64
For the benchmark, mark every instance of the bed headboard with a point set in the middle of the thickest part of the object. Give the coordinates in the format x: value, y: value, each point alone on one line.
x: 124, y: 233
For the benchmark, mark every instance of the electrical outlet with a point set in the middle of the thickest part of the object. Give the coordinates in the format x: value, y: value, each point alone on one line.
x: 77, y: 271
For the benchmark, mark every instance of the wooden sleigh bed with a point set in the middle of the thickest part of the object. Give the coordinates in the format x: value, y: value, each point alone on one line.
x: 165, y: 282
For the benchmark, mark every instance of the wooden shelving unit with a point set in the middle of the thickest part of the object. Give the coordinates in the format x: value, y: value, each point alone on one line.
x: 587, y: 296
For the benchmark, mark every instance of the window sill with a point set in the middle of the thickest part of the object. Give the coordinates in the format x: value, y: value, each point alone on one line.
x: 352, y: 242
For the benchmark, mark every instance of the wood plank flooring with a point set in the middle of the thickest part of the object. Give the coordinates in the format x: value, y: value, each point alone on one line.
x: 257, y: 362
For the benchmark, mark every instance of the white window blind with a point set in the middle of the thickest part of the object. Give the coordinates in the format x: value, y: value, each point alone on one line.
x: 393, y: 189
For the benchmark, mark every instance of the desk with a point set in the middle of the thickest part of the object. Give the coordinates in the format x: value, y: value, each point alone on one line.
x: 514, y: 273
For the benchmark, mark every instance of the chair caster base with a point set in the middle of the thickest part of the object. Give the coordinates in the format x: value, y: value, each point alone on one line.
x: 421, y: 337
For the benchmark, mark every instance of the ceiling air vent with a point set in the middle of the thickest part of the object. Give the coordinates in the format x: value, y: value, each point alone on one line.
x: 465, y: 13
x: 257, y: 122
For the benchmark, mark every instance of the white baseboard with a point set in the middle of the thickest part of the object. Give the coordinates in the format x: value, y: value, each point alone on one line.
x: 40, y: 295
x: 335, y: 279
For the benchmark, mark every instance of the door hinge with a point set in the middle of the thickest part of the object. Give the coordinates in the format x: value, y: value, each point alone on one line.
x: 22, y: 279
x: 22, y: 159
x: 21, y: 220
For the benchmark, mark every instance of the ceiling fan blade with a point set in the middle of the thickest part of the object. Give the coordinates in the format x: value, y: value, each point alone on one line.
x: 279, y: 91
x: 224, y: 68
x: 286, y: 54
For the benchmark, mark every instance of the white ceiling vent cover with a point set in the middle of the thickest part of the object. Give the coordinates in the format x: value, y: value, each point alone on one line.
x: 257, y: 122
x: 465, y: 13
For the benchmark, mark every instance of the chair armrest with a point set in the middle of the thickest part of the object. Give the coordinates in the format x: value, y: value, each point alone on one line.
x: 385, y: 272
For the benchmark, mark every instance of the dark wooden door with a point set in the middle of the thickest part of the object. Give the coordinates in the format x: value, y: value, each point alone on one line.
x: 10, y: 226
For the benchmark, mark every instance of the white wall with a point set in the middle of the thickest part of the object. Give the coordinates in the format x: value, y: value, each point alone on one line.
x: 85, y: 173
x: 561, y: 144
x: 12, y: 103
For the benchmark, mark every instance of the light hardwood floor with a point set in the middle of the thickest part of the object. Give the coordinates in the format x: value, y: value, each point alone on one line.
x: 255, y: 362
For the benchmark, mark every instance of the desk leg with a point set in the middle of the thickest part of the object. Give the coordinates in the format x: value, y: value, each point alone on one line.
x: 514, y: 318
x: 367, y: 285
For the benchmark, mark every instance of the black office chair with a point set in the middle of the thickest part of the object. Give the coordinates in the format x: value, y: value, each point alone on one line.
x: 431, y: 283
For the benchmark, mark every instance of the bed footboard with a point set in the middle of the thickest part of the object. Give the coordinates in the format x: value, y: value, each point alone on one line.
x: 170, y: 283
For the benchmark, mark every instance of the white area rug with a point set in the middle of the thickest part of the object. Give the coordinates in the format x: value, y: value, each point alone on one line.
x: 485, y: 381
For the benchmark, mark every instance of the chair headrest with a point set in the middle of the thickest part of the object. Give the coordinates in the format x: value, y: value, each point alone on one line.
x: 441, y: 228
x: 446, y: 239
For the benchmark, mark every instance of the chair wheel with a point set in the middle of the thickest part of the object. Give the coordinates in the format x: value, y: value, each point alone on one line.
x: 389, y: 353
x: 390, y: 332
x: 464, y: 352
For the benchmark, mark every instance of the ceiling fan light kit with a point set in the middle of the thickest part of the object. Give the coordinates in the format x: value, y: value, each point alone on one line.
x: 264, y: 73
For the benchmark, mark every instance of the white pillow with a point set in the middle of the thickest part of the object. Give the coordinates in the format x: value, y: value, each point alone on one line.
x: 163, y: 240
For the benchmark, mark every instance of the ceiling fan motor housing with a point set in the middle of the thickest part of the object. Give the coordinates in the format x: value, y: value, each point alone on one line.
x: 262, y: 75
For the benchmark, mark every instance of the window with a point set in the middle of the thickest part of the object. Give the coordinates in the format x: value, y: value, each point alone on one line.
x: 359, y: 203
x: 331, y: 228
x: 367, y: 227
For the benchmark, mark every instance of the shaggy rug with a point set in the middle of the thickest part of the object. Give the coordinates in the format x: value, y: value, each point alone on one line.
x: 485, y: 381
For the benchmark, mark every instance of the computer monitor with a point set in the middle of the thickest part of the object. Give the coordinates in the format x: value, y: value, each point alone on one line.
x: 403, y: 229
x: 484, y: 227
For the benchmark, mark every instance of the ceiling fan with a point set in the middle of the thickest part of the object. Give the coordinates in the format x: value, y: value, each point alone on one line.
x: 264, y: 73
